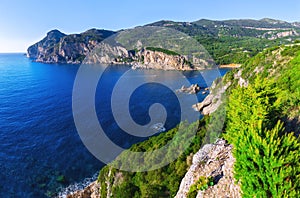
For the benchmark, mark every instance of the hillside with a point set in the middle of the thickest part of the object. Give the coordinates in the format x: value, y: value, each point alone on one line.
x: 261, y: 103
x: 58, y: 47
x: 234, y: 41
x: 229, y: 41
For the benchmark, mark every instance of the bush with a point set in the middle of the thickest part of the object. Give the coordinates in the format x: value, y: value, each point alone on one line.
x: 202, y: 184
x: 267, y: 159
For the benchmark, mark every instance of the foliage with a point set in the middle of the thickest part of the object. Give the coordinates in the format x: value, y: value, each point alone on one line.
x: 202, y: 184
x: 165, y: 51
x: 163, y: 182
x: 229, y: 41
x: 267, y: 159
x: 267, y: 154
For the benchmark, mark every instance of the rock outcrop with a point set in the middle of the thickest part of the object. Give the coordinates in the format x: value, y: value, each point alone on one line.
x: 91, y: 191
x: 288, y: 33
x: 241, y: 81
x: 106, y: 53
x: 213, y: 160
x: 58, y: 47
x: 212, y: 102
x: 143, y: 58
x: 193, y: 89
x: 150, y: 59
x: 40, y: 49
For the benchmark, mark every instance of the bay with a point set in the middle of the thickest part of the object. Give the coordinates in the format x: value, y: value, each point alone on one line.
x: 40, y: 148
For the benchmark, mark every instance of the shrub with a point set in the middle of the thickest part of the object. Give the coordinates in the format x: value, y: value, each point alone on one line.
x: 202, y: 184
x: 267, y: 159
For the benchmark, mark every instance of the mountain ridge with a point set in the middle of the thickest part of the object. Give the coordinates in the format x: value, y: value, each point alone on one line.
x: 228, y: 40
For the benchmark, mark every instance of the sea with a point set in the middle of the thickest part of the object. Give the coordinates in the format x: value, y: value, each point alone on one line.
x: 41, y: 152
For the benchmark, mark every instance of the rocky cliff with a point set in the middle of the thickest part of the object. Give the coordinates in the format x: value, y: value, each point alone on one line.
x: 214, y: 99
x: 91, y: 191
x: 217, y: 95
x: 144, y: 58
x: 215, y: 161
x: 58, y: 47
x: 46, y: 45
x: 152, y: 59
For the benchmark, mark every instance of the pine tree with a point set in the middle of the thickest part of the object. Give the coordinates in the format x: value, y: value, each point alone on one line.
x: 267, y: 159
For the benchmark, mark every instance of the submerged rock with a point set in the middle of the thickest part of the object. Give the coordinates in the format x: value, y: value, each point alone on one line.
x: 193, y: 89
x: 158, y: 127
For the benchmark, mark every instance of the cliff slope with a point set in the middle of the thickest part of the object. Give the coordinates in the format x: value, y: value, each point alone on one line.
x: 58, y: 47
x: 217, y: 169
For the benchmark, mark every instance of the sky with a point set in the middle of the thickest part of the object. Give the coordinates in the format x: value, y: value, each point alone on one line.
x: 22, y: 23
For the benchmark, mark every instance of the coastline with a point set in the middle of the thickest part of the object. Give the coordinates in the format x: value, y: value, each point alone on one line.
x: 74, y: 189
x: 232, y: 66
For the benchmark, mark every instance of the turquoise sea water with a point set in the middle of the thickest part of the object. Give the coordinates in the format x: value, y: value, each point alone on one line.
x: 40, y: 149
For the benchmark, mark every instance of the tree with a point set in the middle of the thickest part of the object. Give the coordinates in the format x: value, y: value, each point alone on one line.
x: 267, y: 159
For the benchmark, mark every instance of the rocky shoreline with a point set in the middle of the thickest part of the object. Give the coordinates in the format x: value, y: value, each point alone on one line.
x: 212, y: 160
x: 212, y: 102
x: 209, y: 153
x: 91, y: 191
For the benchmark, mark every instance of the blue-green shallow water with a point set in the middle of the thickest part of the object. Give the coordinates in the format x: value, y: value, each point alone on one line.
x: 38, y: 138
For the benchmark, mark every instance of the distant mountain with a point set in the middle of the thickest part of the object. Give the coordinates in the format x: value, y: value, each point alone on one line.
x: 238, y: 27
x: 228, y: 41
x: 52, y: 38
x: 296, y: 24
x: 58, y: 47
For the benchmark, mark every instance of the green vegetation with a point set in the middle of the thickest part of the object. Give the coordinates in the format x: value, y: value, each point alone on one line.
x: 89, y: 35
x: 228, y: 49
x: 260, y: 123
x: 230, y: 41
x: 267, y: 159
x: 163, y: 182
x: 165, y: 51
x: 267, y: 154
x: 202, y: 184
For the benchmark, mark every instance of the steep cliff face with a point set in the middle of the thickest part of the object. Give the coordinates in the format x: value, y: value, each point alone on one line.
x: 152, y: 59
x: 57, y: 47
x: 144, y: 58
x: 45, y: 46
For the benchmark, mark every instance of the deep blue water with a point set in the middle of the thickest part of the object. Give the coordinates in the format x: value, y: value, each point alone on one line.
x: 38, y: 139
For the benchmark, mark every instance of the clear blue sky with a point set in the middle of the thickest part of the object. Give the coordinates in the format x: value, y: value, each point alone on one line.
x: 23, y: 22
